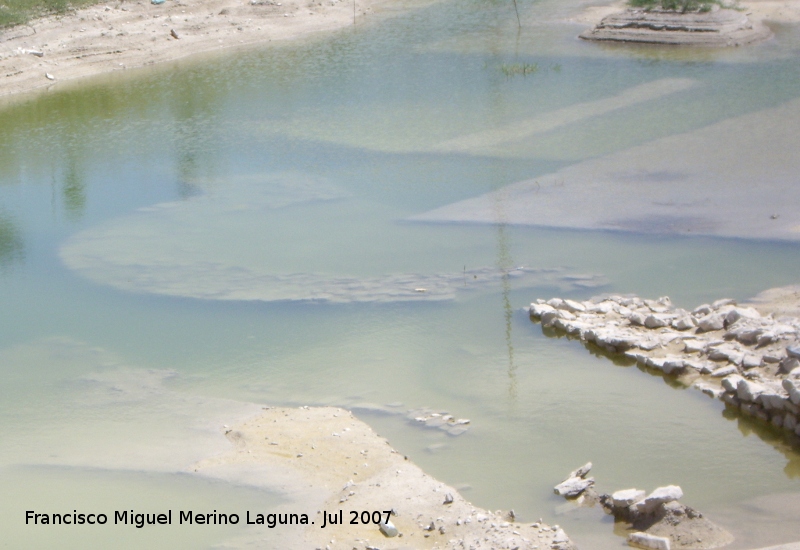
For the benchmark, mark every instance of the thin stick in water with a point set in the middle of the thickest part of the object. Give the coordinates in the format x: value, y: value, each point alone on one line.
x: 516, y: 10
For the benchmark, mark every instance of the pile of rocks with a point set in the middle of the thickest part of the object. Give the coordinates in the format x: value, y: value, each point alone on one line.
x: 717, y: 27
x: 750, y: 361
x: 440, y: 420
x: 660, y: 522
x: 576, y: 482
x: 657, y: 521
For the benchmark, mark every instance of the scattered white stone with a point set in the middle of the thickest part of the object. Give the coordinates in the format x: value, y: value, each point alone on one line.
x: 751, y: 361
x: 731, y: 383
x: 573, y: 306
x: 724, y: 371
x: 741, y: 312
x: 722, y: 302
x: 388, y: 529
x: 627, y: 497
x: 582, y: 471
x: 637, y: 319
x: 644, y: 540
x: 748, y: 391
x: 684, y: 323
x: 573, y: 486
x: 711, y: 322
x: 660, y: 496
x: 792, y: 387
x: 656, y: 321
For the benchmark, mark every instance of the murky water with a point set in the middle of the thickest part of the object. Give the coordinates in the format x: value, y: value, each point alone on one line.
x: 179, y: 241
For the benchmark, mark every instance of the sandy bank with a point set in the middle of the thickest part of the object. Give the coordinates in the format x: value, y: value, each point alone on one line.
x: 118, y: 35
x: 326, y: 460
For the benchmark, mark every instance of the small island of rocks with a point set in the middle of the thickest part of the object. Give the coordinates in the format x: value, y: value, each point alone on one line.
x: 689, y: 22
x: 749, y: 360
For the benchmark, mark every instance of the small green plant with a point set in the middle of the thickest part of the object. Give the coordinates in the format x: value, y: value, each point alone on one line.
x: 514, y: 69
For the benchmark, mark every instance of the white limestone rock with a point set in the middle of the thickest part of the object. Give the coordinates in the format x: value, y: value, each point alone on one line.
x: 573, y: 306
x: 549, y: 317
x: 711, y: 391
x: 582, y: 471
x: 694, y: 346
x: 726, y: 352
x: 656, y: 306
x: 684, y: 323
x: 651, y: 542
x: 792, y: 387
x: 724, y: 371
x: 656, y: 321
x: 537, y: 310
x: 702, y: 311
x: 771, y: 400
x: 793, y: 351
x: 388, y: 529
x: 722, y: 302
x: 788, y: 364
x: 751, y: 361
x: 627, y: 497
x: 741, y: 312
x: 660, y: 496
x: 731, y: 383
x: 566, y: 315
x: 748, y: 391
x: 711, y: 322
x: 573, y: 486
x: 637, y: 318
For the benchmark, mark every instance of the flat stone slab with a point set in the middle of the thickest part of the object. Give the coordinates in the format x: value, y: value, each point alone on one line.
x: 718, y: 27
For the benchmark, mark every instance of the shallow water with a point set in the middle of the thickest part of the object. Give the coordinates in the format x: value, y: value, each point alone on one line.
x: 180, y: 241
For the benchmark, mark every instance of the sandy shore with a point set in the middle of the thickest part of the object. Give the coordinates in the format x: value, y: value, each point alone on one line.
x: 119, y: 35
x: 327, y: 462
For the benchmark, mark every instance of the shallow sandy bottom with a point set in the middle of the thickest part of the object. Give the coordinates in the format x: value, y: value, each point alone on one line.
x: 740, y: 190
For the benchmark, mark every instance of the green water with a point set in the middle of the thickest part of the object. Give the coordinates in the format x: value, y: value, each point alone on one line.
x: 270, y: 269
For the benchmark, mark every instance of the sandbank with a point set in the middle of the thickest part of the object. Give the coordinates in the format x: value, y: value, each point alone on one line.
x: 118, y: 35
x: 325, y: 460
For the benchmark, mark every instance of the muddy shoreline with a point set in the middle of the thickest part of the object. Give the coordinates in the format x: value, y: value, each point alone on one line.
x: 119, y: 35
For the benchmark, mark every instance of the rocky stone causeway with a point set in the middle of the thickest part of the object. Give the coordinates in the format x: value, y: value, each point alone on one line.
x: 730, y: 352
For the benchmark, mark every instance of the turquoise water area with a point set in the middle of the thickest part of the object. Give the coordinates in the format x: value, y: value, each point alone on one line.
x: 179, y: 242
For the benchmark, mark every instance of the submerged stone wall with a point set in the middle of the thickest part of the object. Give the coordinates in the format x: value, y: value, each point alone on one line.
x: 733, y: 353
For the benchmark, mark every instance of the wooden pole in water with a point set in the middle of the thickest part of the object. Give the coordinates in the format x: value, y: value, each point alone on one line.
x: 354, y: 11
x: 516, y: 10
